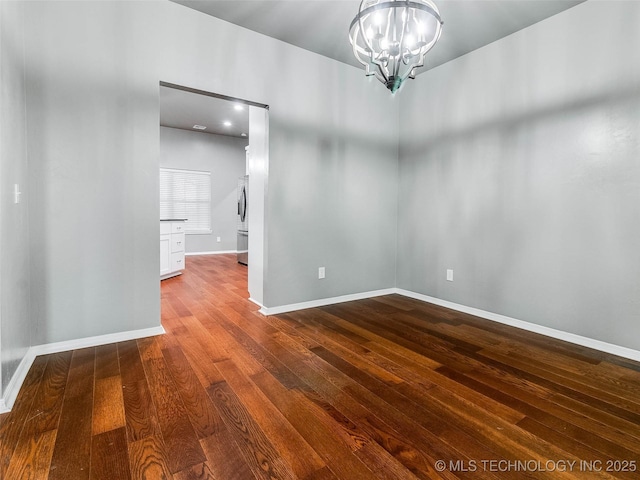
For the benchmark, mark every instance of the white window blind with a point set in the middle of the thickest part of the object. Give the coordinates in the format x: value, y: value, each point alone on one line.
x: 186, y: 194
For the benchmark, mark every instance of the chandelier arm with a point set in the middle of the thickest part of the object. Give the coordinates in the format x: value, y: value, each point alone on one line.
x: 378, y: 60
x: 382, y: 67
x: 381, y: 70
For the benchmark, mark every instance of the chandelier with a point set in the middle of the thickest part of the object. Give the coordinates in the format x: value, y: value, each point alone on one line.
x: 391, y: 37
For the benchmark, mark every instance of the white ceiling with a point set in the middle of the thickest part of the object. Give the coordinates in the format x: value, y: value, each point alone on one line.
x: 322, y: 26
x: 180, y: 109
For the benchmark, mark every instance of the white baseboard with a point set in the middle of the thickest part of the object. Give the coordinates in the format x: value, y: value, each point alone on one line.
x: 11, y: 392
x: 166, y: 276
x: 220, y: 252
x: 97, y: 340
x: 256, y: 302
x: 325, y: 301
x: 531, y: 327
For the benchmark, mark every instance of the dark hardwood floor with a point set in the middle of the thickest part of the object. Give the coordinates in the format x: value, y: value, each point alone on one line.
x: 383, y: 388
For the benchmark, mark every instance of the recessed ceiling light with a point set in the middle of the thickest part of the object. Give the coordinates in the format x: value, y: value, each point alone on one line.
x: 243, y: 134
x: 238, y: 107
x: 227, y: 123
x: 199, y: 127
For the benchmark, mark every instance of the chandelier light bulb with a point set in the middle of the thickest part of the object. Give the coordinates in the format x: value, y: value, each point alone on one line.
x: 409, y: 40
x: 391, y: 37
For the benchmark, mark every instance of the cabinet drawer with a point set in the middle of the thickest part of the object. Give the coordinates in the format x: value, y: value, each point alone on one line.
x: 177, y: 261
x: 177, y: 242
x: 177, y: 227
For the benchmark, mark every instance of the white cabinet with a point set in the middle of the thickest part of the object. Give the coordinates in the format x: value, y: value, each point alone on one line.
x: 171, y: 248
x: 165, y: 254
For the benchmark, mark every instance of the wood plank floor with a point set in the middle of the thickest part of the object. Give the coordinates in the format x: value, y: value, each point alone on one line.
x: 381, y: 388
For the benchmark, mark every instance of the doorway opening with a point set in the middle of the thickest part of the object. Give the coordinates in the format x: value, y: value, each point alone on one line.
x: 213, y: 177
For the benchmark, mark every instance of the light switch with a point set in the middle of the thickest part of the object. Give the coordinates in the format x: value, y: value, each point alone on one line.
x: 16, y: 193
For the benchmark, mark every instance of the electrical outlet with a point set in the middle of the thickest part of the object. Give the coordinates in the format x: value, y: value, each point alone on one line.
x: 218, y: 239
x: 321, y: 272
x: 450, y: 275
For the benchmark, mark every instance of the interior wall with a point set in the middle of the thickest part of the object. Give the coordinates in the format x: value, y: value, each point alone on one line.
x: 225, y: 158
x: 15, y: 327
x: 93, y: 130
x: 519, y: 170
x: 92, y: 100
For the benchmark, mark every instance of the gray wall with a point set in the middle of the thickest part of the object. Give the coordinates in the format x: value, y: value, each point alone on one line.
x: 519, y: 170
x: 94, y: 153
x: 92, y: 92
x: 333, y: 205
x: 224, y: 157
x: 15, y: 327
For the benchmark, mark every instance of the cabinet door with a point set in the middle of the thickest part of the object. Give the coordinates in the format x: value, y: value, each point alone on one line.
x: 165, y: 254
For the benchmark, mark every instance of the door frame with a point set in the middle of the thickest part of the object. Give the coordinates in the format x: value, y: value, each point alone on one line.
x: 258, y: 168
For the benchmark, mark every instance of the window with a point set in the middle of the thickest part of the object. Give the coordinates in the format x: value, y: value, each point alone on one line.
x: 186, y: 194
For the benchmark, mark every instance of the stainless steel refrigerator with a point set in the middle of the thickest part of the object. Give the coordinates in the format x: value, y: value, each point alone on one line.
x: 243, y: 220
